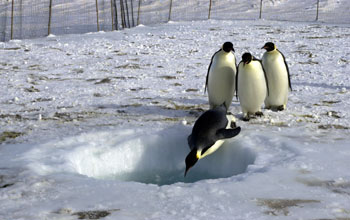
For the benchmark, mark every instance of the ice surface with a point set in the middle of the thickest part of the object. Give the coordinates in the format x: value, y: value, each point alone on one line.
x: 136, y: 155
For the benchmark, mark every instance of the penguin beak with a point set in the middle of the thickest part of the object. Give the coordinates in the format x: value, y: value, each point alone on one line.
x: 187, y: 168
x: 264, y: 47
x: 190, y: 165
x: 191, y: 160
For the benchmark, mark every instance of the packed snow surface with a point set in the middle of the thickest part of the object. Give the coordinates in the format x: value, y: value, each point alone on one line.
x: 96, y: 126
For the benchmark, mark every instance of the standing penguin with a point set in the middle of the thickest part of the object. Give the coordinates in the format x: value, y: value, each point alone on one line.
x: 221, y: 77
x: 278, y: 78
x: 208, y: 134
x: 251, y: 85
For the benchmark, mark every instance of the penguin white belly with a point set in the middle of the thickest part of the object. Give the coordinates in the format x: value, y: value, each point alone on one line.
x: 213, y: 148
x: 277, y: 77
x: 251, y: 87
x: 221, y: 82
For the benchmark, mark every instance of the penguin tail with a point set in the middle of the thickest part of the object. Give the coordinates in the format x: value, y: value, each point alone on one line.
x: 228, y: 133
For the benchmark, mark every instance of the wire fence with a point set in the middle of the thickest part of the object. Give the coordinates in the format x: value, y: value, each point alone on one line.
x: 20, y: 19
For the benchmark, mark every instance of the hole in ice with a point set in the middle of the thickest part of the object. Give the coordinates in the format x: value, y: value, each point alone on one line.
x: 147, y: 156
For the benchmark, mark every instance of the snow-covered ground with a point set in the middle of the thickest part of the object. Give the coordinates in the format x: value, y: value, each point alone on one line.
x: 95, y: 126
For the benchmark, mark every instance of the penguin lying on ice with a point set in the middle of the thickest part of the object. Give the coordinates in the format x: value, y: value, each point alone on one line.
x: 208, y: 134
x: 221, y: 76
x: 277, y: 73
x: 251, y: 86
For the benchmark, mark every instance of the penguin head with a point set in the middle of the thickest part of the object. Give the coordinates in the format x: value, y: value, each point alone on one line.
x: 227, y: 47
x: 269, y: 46
x: 191, y: 159
x: 195, y: 154
x: 246, y: 58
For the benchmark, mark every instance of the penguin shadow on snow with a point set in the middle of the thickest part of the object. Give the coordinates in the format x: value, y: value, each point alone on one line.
x: 162, y: 160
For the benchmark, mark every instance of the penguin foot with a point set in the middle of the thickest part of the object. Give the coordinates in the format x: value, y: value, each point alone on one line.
x: 280, y: 108
x: 277, y: 108
x: 229, y: 113
x: 259, y: 114
x: 246, y: 118
x: 231, y: 119
x: 233, y: 124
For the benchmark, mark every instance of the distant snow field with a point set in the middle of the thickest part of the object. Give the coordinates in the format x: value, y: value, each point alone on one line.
x: 95, y: 126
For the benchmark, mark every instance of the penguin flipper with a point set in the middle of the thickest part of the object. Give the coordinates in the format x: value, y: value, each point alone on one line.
x: 285, y: 63
x: 236, y: 82
x: 206, y: 81
x: 227, y: 133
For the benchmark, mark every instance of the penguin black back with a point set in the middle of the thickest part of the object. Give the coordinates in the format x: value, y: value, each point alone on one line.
x: 207, y: 125
x: 208, y: 133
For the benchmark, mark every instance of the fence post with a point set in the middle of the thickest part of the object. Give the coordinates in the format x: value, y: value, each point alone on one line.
x: 21, y: 19
x: 209, y: 9
x: 138, y: 13
x: 12, y: 9
x: 116, y: 14
x: 112, y: 14
x: 132, y: 14
x: 122, y: 13
x: 98, y: 23
x: 260, y: 8
x: 127, y: 12
x: 50, y: 14
x: 318, y: 4
x: 171, y: 4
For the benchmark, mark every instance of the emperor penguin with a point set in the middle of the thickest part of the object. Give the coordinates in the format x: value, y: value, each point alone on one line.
x: 221, y: 76
x: 251, y: 86
x: 277, y: 73
x: 208, y: 134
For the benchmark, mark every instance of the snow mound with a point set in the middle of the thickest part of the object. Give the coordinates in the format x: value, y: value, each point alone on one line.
x: 140, y: 155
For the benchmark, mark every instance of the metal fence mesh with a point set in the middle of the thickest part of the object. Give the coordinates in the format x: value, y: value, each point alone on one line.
x: 21, y: 19
x: 72, y: 17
